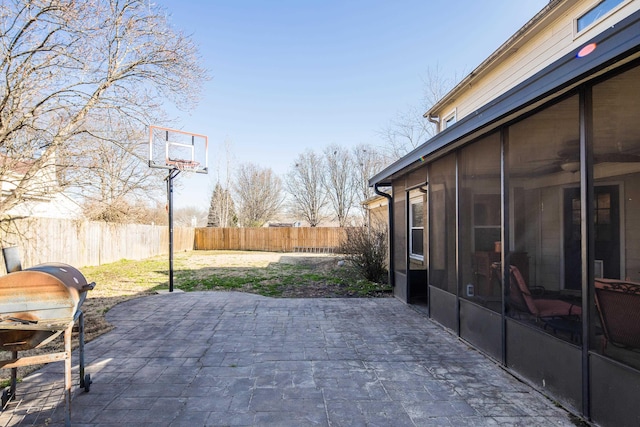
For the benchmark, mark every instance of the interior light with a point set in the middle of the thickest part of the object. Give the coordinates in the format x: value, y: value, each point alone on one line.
x: 586, y: 50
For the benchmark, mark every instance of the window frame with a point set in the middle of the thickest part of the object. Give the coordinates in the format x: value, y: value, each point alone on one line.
x: 416, y: 199
x: 449, y: 119
x: 598, y: 18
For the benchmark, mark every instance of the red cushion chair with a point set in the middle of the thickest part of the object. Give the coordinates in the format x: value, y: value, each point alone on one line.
x: 618, y: 304
x: 520, y: 297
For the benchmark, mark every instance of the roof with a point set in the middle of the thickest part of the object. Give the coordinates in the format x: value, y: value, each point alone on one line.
x: 614, y: 44
x: 381, y: 200
x: 18, y: 166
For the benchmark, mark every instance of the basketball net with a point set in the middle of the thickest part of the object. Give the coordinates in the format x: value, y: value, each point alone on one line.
x: 184, y: 165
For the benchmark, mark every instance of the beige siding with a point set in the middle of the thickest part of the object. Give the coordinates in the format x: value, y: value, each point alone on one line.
x: 377, y: 209
x: 557, y: 38
x: 379, y: 216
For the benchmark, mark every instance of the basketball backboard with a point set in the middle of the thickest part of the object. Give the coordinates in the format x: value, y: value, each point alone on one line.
x: 176, y: 149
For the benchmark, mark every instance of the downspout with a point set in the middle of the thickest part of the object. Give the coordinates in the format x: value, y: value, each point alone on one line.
x: 434, y: 119
x: 387, y: 196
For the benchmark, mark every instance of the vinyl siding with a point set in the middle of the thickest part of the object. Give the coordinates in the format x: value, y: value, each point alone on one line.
x: 555, y: 38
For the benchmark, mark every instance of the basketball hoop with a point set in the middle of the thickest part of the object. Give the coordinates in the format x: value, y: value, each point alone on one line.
x: 176, y: 151
x: 184, y: 165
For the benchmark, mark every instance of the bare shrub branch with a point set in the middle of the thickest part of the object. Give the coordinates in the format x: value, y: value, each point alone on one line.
x: 366, y: 249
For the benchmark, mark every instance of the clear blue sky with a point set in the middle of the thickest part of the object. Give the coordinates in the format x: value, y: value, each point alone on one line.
x: 294, y: 74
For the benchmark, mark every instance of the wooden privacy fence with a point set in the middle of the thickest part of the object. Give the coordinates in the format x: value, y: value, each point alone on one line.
x: 274, y: 239
x: 85, y: 243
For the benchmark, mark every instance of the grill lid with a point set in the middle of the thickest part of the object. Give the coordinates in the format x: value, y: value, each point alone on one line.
x: 41, y: 298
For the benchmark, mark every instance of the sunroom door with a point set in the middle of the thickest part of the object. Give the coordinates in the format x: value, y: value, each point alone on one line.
x: 607, y: 234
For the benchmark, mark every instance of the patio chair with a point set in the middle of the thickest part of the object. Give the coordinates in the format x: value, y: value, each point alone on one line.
x: 618, y: 304
x: 521, y: 299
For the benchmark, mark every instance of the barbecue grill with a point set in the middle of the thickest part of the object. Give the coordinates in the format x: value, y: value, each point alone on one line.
x: 37, y: 305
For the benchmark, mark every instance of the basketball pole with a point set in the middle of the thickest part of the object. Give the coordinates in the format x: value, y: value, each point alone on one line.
x: 172, y: 174
x: 176, y: 154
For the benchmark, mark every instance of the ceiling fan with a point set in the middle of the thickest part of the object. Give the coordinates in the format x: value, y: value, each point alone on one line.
x: 568, y: 158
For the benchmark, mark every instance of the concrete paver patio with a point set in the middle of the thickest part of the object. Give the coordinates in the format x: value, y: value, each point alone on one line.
x: 237, y: 359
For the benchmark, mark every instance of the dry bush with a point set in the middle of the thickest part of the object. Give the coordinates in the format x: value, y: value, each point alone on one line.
x: 366, y: 249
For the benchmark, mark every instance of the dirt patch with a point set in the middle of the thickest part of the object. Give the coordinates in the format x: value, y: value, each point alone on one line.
x: 244, y: 259
x: 290, y: 275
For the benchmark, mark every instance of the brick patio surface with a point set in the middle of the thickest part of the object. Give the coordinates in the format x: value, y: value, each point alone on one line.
x: 237, y: 359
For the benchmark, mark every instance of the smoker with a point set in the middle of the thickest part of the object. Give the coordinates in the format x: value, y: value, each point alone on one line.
x: 37, y: 305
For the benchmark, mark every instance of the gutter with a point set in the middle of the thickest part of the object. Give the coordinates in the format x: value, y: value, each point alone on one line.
x: 387, y: 196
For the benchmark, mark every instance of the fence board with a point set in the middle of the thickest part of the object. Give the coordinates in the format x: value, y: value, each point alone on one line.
x: 85, y: 243
x: 273, y: 239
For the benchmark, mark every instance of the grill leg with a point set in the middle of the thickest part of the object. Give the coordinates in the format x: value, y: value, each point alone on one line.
x: 67, y: 374
x: 81, y: 346
x: 9, y: 393
x: 14, y: 377
x: 85, y: 380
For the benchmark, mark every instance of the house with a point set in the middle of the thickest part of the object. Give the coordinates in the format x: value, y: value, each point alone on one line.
x: 517, y: 226
x: 376, y: 209
x: 56, y: 205
x: 41, y: 195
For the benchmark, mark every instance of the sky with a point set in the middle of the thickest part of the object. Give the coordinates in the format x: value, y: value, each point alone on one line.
x: 292, y: 75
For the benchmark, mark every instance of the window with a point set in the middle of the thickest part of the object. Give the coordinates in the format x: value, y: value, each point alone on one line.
x: 449, y: 120
x: 416, y: 227
x: 596, y: 13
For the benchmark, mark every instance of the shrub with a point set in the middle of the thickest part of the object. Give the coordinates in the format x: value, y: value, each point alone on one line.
x: 365, y: 248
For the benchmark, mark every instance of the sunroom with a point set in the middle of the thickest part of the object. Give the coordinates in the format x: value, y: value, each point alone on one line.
x: 518, y: 228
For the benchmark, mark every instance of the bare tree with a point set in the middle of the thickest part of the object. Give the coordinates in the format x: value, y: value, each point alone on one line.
x: 367, y: 162
x: 404, y: 133
x: 258, y: 195
x: 68, y: 67
x: 410, y: 128
x: 339, y: 181
x: 222, y: 211
x: 190, y: 216
x: 221, y: 208
x: 112, y: 179
x: 304, y: 185
x: 437, y: 84
x: 156, y: 214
